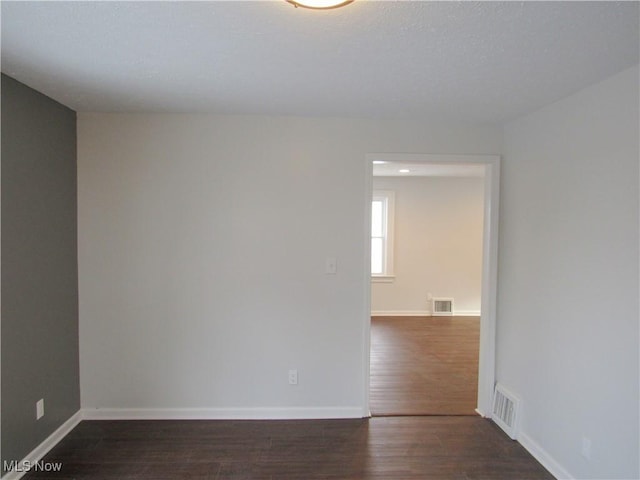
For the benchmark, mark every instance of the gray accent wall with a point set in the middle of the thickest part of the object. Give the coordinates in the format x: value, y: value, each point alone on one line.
x: 39, y: 325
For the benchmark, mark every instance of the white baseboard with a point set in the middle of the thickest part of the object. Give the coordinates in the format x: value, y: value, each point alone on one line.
x: 482, y: 414
x: 542, y: 456
x: 267, y: 413
x: 401, y: 313
x: 421, y: 313
x: 41, y: 450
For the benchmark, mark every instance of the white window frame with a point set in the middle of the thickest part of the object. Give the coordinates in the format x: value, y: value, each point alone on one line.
x: 388, y: 201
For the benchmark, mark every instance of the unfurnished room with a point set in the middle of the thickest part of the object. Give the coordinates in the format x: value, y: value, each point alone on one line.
x: 309, y: 239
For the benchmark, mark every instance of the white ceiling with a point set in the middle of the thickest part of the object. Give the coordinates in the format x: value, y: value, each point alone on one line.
x: 399, y: 169
x: 464, y: 61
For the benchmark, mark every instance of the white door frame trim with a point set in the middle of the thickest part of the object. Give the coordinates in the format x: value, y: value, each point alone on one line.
x: 487, y: 357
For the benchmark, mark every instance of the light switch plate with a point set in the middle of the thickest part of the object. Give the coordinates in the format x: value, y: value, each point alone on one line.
x: 331, y: 266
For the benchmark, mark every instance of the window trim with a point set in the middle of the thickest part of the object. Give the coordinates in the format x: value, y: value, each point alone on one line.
x: 388, y: 199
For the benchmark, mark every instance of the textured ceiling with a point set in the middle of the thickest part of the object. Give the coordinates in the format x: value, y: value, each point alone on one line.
x: 465, y: 61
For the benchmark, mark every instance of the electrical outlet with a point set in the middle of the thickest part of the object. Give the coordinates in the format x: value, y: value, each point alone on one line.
x: 293, y: 377
x: 586, y: 448
x: 40, y: 409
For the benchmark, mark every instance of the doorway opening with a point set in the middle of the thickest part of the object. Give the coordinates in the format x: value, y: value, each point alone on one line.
x: 440, y: 365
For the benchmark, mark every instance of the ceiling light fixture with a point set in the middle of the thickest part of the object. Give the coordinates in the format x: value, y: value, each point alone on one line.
x: 319, y: 4
x: 379, y: 162
x: 404, y: 170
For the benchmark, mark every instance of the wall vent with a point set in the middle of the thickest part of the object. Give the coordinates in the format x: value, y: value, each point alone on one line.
x: 442, y: 306
x: 505, y: 410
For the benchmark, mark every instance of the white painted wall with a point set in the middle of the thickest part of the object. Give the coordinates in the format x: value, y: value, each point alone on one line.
x: 437, y: 244
x: 568, y: 278
x: 202, y: 246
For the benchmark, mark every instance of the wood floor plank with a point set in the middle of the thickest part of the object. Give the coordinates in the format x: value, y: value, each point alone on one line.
x: 427, y: 366
x: 389, y: 448
x: 424, y: 365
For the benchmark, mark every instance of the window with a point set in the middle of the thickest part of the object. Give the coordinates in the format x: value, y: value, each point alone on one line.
x: 382, y: 235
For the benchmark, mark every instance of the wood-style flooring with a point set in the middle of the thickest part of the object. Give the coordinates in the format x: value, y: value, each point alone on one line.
x: 386, y: 448
x: 424, y: 365
x: 427, y: 366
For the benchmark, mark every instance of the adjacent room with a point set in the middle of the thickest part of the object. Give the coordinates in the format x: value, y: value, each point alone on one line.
x: 426, y: 254
x: 189, y: 268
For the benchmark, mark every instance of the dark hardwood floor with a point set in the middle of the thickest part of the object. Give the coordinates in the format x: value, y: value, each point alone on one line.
x: 440, y: 353
x: 424, y: 365
x: 387, y: 448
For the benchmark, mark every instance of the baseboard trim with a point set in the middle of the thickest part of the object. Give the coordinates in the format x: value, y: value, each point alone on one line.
x: 41, y: 450
x: 401, y: 313
x: 542, y: 456
x: 421, y: 313
x: 267, y: 413
x: 482, y: 414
